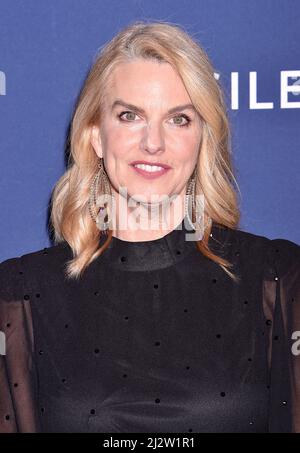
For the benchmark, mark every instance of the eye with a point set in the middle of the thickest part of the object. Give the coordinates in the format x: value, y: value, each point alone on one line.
x: 179, y: 123
x: 130, y: 116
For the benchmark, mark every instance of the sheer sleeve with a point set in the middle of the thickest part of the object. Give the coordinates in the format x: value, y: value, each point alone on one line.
x: 18, y: 409
x: 281, y: 303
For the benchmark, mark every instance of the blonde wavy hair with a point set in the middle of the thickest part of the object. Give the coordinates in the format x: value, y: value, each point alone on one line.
x: 164, y: 42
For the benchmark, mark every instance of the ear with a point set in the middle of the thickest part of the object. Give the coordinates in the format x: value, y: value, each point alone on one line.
x: 96, y: 140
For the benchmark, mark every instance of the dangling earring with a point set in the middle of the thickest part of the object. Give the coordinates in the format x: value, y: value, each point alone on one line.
x: 101, y: 199
x: 191, y: 205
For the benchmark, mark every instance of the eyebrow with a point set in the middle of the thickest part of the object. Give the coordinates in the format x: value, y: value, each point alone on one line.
x: 178, y: 108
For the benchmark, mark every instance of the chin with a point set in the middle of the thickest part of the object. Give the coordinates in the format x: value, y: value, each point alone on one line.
x: 154, y: 196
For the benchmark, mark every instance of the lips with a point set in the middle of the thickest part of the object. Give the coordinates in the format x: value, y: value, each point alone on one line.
x: 155, y: 173
x: 158, y: 164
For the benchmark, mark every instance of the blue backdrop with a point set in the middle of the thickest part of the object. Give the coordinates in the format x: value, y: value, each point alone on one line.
x: 46, y: 50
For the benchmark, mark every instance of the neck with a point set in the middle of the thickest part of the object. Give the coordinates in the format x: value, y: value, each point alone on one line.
x: 146, y: 222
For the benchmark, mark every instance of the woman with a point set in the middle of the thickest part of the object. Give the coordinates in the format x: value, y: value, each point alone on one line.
x: 152, y: 312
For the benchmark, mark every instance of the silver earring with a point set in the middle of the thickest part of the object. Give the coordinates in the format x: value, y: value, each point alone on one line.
x: 100, y: 199
x: 191, y: 206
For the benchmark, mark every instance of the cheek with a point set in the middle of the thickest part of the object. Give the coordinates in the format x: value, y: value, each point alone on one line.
x: 187, y: 148
x: 119, y: 141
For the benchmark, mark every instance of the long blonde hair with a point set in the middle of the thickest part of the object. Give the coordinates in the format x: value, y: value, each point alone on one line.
x: 164, y: 42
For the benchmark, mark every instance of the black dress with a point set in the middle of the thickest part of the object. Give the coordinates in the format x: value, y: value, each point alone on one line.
x: 156, y: 338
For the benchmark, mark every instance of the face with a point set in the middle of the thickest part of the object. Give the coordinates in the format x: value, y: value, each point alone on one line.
x: 148, y: 118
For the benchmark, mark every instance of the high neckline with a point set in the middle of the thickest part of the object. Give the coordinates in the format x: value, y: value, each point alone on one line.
x: 152, y: 254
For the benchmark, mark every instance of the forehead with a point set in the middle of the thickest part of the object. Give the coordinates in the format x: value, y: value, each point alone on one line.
x: 148, y: 83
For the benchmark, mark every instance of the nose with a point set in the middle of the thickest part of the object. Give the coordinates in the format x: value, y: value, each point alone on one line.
x: 153, y: 140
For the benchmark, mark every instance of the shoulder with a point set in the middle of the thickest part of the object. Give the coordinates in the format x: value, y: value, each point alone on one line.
x: 47, y: 259
x: 36, y: 259
x: 278, y: 256
x: 18, y: 271
x: 236, y: 242
x: 10, y: 278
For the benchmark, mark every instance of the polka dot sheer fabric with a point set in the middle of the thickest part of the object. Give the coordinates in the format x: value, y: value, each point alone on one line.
x: 154, y: 338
